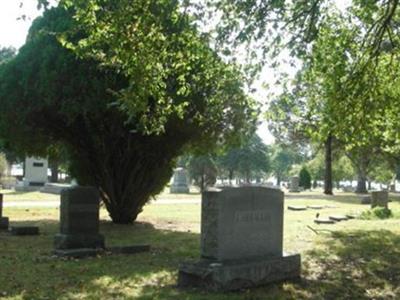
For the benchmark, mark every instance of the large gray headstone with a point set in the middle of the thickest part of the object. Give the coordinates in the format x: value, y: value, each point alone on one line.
x: 379, y: 198
x: 179, y: 182
x: 4, y: 222
x: 241, y: 241
x: 294, y: 184
x: 79, y: 219
x: 242, y: 223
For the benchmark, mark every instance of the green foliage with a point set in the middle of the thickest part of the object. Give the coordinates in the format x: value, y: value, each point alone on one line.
x: 282, y: 160
x: 6, y: 53
x: 250, y: 160
x: 122, y: 133
x: 305, y: 178
x: 382, y: 170
x: 316, y: 166
x: 342, y: 169
x: 203, y: 169
x: 376, y: 213
x: 158, y: 49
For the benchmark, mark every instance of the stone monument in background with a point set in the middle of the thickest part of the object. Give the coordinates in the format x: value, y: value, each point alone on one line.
x: 79, y: 219
x: 4, y: 222
x: 35, y: 174
x: 379, y: 198
x: 180, y: 184
x: 294, y: 184
x: 241, y: 241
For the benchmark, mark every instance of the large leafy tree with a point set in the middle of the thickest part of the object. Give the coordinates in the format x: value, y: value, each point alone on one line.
x: 282, y: 159
x: 249, y: 161
x: 6, y: 53
x: 203, y: 169
x: 125, y: 118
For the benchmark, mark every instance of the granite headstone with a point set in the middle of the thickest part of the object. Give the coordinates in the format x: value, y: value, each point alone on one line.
x: 241, y: 241
x: 79, y: 219
x: 180, y: 183
x: 294, y: 184
x: 379, y: 198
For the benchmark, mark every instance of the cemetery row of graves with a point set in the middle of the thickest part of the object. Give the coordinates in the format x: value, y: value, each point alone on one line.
x: 122, y: 96
x: 217, y: 247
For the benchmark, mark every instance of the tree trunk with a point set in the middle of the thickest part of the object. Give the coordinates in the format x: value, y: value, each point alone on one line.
x: 278, y: 180
x: 369, y: 185
x: 202, y: 183
x: 362, y: 175
x: 127, y: 170
x: 328, y: 166
x: 54, y: 172
x: 230, y: 175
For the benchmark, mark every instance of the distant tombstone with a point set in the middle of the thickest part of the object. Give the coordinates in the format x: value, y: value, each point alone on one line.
x: 348, y: 189
x: 35, y: 172
x: 365, y: 199
x: 241, y: 241
x: 379, y: 198
x: 79, y: 219
x: 294, y: 184
x: 4, y: 222
x: 179, y: 182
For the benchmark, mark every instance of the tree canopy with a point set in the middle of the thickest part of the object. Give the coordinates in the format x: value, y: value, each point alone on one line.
x: 122, y: 125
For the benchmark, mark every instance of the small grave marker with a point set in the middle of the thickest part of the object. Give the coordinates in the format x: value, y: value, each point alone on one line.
x: 297, y: 207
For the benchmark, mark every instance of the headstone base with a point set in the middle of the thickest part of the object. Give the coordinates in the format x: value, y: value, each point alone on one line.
x: 24, y: 230
x: 77, y: 241
x: 4, y: 222
x: 129, y: 249
x: 175, y: 189
x: 229, y: 276
x: 78, y: 253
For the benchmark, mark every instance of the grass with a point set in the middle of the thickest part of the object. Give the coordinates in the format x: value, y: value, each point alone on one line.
x: 357, y: 259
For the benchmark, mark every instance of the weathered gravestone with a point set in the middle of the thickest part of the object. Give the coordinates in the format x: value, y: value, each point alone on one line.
x: 79, y: 219
x: 3, y: 220
x: 180, y: 183
x: 365, y: 199
x: 241, y: 241
x: 379, y: 198
x: 294, y: 184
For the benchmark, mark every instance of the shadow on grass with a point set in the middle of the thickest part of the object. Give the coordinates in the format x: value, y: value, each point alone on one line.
x: 347, y: 265
x: 28, y: 270
x: 14, y: 192
x: 346, y: 198
x: 355, y: 265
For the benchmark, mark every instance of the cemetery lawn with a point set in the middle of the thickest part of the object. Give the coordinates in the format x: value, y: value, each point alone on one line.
x: 355, y: 259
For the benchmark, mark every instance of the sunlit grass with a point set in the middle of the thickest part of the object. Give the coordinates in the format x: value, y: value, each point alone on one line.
x: 356, y: 259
